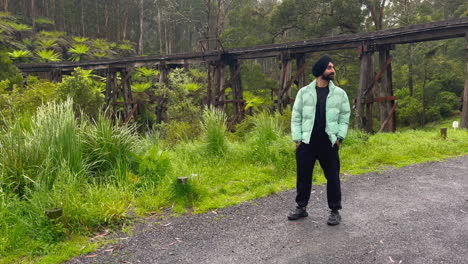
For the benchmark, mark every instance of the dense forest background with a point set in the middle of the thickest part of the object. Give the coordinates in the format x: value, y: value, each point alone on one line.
x: 428, y: 77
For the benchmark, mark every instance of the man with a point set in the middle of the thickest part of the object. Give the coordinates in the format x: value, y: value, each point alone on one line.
x: 319, y: 125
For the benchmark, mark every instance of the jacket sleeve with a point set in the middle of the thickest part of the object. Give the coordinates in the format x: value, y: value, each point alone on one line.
x: 343, y: 119
x: 296, y: 118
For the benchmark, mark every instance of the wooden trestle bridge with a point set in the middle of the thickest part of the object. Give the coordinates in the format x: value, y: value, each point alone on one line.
x: 366, y: 43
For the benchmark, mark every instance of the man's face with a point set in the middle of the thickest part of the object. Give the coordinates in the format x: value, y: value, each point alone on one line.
x: 329, y: 73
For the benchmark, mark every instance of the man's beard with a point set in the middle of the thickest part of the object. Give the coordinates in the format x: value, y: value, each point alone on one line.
x: 329, y: 77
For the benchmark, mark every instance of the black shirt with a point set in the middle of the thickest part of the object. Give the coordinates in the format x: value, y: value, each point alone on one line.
x: 319, y: 124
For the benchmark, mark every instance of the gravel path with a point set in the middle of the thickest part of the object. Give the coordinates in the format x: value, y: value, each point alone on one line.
x: 416, y: 214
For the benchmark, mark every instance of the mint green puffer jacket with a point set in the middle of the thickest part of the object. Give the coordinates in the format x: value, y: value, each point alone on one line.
x: 303, y: 114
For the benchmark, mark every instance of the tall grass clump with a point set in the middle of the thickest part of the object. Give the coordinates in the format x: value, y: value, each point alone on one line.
x: 214, y: 130
x: 33, y: 149
x: 109, y: 150
x: 57, y: 141
x: 153, y: 165
x: 269, y: 144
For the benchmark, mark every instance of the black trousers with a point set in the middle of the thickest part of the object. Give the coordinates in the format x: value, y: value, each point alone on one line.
x: 306, y: 154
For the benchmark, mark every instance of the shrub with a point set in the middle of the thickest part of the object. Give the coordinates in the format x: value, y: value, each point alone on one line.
x: 108, y: 149
x: 214, y: 130
x: 34, y: 149
x: 84, y: 90
x: 153, y: 165
x: 269, y: 145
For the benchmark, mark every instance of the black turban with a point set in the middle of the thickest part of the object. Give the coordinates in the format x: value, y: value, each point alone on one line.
x: 321, y: 65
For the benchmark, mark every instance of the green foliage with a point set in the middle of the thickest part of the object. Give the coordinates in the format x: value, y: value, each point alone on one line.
x: 25, y: 100
x: 80, y: 39
x: 20, y: 27
x: 410, y: 112
x: 183, y: 104
x: 8, y: 72
x: 27, y: 166
x: 52, y: 34
x: 146, y: 73
x: 108, y: 150
x: 44, y: 21
x: 268, y: 143
x: 177, y: 132
x: 78, y: 51
x: 84, y: 90
x: 140, y: 87
x: 47, y: 44
x: 48, y: 55
x: 125, y: 48
x: 214, y: 131
x: 20, y: 56
x: 154, y: 164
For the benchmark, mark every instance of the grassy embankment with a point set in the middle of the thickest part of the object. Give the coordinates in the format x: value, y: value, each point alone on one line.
x: 104, y: 176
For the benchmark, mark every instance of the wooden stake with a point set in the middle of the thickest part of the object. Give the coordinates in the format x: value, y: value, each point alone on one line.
x: 443, y: 132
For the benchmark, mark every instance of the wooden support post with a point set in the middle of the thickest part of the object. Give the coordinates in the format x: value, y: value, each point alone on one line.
x: 284, y: 92
x: 127, y: 93
x: 110, y: 87
x: 386, y: 89
x: 161, y: 108
x: 56, y: 75
x: 464, y: 114
x: 182, y: 180
x: 111, y: 93
x: 219, y: 78
x: 236, y: 86
x: 302, y: 77
x: 366, y: 76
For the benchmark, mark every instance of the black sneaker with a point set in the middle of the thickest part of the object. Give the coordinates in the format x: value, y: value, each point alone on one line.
x: 334, y: 218
x: 298, y: 213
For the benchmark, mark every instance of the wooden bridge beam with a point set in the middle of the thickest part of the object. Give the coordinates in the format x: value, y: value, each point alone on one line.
x: 161, y: 108
x: 127, y: 92
x: 219, y: 78
x: 284, y: 92
x: 386, y: 89
x: 464, y: 114
x: 302, y: 75
x: 236, y: 85
x: 111, y: 92
x: 366, y: 76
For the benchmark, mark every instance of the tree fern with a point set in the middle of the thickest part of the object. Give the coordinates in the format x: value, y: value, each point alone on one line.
x: 78, y: 51
x: 20, y: 55
x: 48, y: 55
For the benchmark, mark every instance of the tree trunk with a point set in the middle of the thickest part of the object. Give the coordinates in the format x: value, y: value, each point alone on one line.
x: 209, y: 68
x: 61, y: 14
x: 106, y: 17
x: 166, y: 41
x: 83, y: 33
x: 160, y: 32
x: 464, y: 114
x: 217, y: 29
x: 377, y: 11
x: 410, y: 69
x: 33, y: 15
x: 46, y: 8
x: 124, y: 32
x: 140, y: 41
